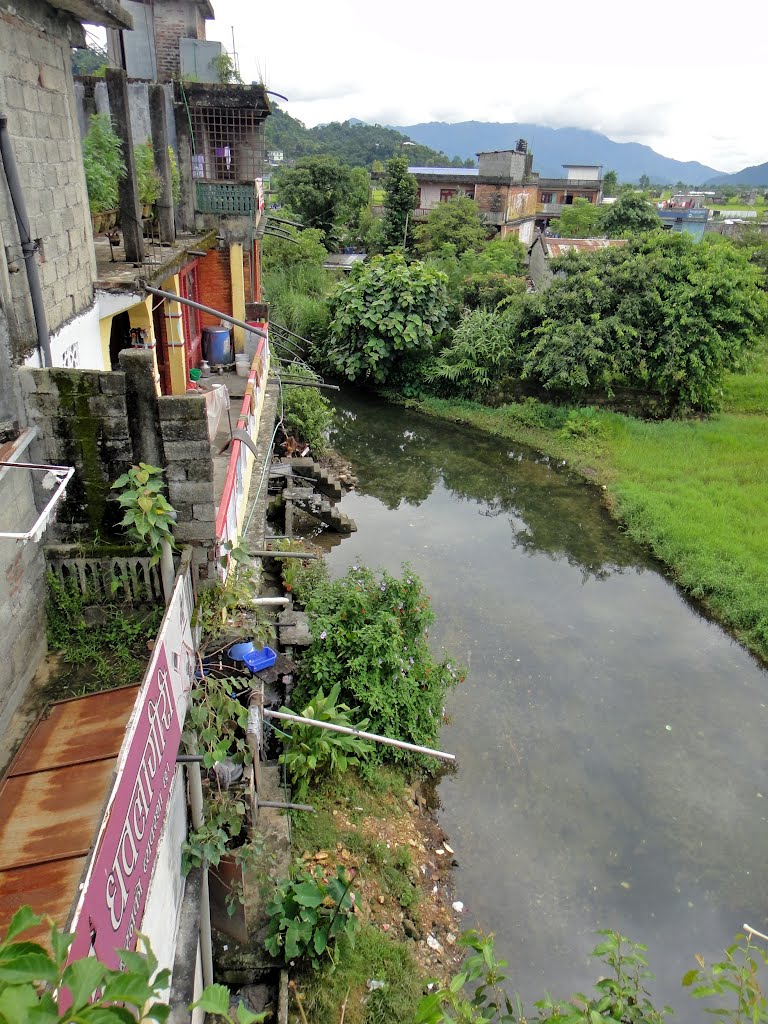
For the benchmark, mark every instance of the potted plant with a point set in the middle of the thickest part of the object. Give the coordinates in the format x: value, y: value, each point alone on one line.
x: 104, y: 169
x: 149, y: 182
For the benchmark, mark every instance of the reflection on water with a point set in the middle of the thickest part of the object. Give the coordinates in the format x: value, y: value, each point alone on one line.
x: 610, y: 740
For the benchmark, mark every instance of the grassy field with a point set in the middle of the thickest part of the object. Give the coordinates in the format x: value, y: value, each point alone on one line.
x: 695, y: 491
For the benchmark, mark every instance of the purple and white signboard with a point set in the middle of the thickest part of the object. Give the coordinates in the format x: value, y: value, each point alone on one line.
x: 110, y: 909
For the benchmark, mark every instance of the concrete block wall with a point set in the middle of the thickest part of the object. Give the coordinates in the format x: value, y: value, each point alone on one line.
x: 22, y: 590
x: 82, y: 420
x: 37, y: 96
x: 104, y: 422
x: 189, y: 472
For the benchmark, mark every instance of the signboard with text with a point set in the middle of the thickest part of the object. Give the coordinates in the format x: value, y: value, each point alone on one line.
x: 111, y: 904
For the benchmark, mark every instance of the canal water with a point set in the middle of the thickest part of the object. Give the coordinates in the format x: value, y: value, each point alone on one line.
x: 610, y: 740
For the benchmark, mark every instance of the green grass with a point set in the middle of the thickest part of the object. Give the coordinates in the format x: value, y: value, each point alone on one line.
x: 695, y: 491
x: 373, y: 957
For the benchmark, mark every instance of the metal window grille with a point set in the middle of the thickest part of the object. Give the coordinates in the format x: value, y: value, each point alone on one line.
x: 229, y: 143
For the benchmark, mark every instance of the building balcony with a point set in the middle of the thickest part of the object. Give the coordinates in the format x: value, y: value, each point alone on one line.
x: 422, y: 212
x: 550, y: 209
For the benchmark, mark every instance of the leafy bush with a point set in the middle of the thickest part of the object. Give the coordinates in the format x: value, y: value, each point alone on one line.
x: 310, y: 753
x: 306, y: 411
x: 662, y: 315
x: 301, y: 575
x: 308, y: 914
x: 387, y: 310
x: 481, y: 349
x: 103, y: 163
x: 149, y: 182
x: 486, y: 290
x: 369, y: 635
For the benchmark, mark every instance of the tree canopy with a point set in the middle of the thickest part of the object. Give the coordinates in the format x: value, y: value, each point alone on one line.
x: 401, y: 194
x: 631, y: 214
x: 323, y: 192
x: 387, y: 310
x: 662, y: 314
x: 457, y: 223
x: 359, y: 145
x: 581, y: 219
x: 610, y: 183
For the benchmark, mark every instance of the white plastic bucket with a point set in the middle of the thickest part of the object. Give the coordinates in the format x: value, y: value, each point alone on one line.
x: 242, y: 364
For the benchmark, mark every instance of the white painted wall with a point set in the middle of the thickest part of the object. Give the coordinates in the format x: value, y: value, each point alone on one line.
x: 584, y: 172
x: 166, y: 888
x: 76, y: 344
x: 526, y: 233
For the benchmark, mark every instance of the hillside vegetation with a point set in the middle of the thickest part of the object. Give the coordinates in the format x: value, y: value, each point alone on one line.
x: 356, y: 144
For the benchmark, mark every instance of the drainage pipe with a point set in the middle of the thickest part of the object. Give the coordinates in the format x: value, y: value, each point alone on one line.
x: 28, y: 247
x: 204, y: 309
x: 195, y: 783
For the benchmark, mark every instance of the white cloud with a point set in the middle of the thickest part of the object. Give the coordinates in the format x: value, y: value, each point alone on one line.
x: 662, y: 74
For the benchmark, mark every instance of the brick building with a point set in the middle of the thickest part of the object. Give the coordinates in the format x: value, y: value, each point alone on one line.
x: 580, y: 182
x: 503, y: 186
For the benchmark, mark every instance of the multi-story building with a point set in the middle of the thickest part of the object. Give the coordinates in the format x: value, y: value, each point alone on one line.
x: 503, y: 185
x: 686, y: 212
x: 581, y: 181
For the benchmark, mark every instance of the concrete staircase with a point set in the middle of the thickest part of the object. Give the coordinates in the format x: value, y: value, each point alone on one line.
x: 321, y: 508
x: 324, y: 482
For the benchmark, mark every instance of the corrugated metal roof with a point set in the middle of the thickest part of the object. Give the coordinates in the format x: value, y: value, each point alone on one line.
x: 53, y: 799
x: 560, y: 246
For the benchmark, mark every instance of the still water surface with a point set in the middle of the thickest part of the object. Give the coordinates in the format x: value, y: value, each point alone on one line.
x: 611, y: 741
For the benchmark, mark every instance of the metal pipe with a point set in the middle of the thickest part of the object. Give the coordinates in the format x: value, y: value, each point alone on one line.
x: 28, y: 247
x: 307, y: 383
x: 204, y: 309
x: 264, y: 553
x: 284, y: 806
x: 198, y: 819
x: 268, y: 713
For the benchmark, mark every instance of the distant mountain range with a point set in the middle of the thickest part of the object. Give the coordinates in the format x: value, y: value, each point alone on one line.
x: 552, y: 147
x: 756, y: 175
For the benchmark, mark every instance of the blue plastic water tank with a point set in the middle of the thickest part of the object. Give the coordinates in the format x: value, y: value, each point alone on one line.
x: 216, y: 345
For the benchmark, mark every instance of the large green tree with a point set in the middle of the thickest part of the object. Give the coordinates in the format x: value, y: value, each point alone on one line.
x: 401, y: 194
x: 457, y: 223
x: 631, y: 214
x: 582, y: 219
x: 387, y: 311
x: 323, y: 192
x: 663, y: 315
x: 610, y: 183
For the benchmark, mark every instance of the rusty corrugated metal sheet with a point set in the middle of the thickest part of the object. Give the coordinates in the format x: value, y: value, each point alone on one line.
x: 52, y: 815
x: 52, y: 801
x: 48, y: 888
x: 76, y: 731
x: 560, y: 246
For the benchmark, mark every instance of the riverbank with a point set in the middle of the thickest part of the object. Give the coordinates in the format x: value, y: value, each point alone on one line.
x: 695, y: 491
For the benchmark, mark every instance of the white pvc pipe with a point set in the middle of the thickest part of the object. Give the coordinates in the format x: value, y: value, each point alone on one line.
x: 270, y: 600
x: 268, y: 713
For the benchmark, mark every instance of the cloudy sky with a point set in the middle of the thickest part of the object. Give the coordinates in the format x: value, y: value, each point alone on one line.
x: 682, y: 77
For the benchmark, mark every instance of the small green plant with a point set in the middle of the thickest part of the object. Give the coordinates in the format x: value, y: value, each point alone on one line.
x: 476, y: 994
x: 148, y: 516
x: 309, y: 913
x: 310, y: 752
x: 226, y: 70
x: 34, y: 978
x: 103, y: 163
x: 737, y: 978
x: 230, y: 599
x: 218, y: 719
x: 306, y: 412
x: 301, y: 576
x: 149, y: 181
x: 175, y: 176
